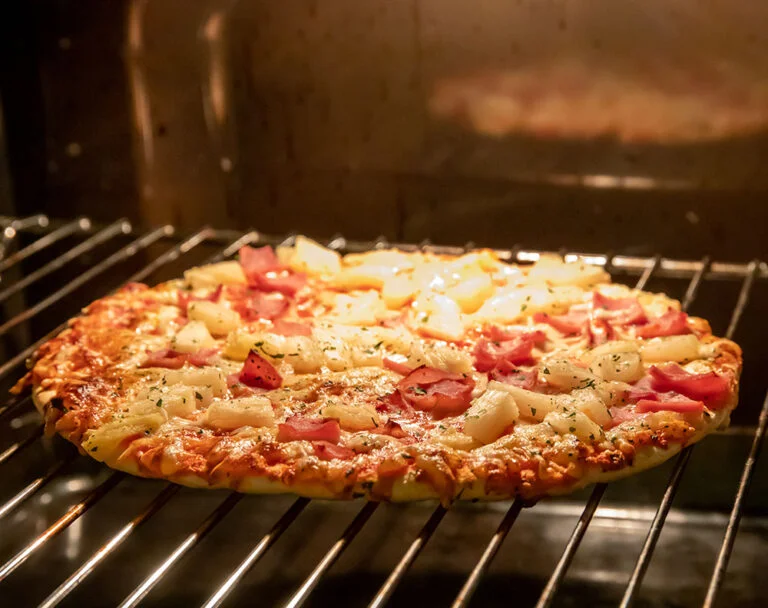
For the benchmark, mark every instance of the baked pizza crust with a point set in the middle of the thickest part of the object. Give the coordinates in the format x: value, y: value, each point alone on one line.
x: 85, y: 378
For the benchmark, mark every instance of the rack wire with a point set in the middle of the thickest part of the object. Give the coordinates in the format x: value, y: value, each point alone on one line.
x: 50, y: 232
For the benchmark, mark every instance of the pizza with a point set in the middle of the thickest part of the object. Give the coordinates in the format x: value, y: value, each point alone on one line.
x: 389, y: 375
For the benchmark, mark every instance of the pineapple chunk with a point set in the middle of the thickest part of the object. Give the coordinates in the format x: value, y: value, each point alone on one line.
x: 208, y: 382
x: 311, y: 257
x: 239, y: 343
x: 398, y: 290
x: 553, y: 271
x: 565, y: 375
x: 510, y: 304
x: 623, y: 367
x: 431, y: 276
x: 106, y: 442
x: 532, y: 405
x: 167, y: 317
x: 484, y: 260
x: 490, y: 414
x: 471, y: 292
x: 219, y: 319
x: 673, y: 348
x: 192, y: 337
x: 576, y: 423
x: 284, y: 254
x: 237, y: 413
x: 439, y: 317
x: 176, y: 400
x: 351, y: 417
x: 302, y: 352
x: 180, y: 401
x: 610, y: 348
x: 212, y: 275
x: 363, y: 308
x: 590, y: 402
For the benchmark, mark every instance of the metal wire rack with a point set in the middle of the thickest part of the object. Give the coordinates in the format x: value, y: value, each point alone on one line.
x: 48, y: 234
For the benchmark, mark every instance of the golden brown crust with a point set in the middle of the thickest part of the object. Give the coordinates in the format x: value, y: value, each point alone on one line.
x: 82, y: 377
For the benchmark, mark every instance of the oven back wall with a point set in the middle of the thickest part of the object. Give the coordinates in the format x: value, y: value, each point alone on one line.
x: 320, y: 118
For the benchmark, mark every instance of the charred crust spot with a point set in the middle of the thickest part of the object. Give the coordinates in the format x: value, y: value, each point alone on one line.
x: 57, y: 403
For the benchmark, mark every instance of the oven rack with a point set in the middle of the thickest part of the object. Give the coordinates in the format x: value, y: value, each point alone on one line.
x: 48, y: 232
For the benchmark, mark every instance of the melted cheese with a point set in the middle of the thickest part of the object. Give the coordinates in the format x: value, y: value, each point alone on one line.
x: 440, y: 355
x: 331, y: 346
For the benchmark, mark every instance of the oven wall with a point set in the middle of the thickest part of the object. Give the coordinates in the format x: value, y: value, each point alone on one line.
x: 316, y: 117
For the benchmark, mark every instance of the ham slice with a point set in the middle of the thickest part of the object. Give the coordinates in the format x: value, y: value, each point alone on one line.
x: 522, y: 378
x: 497, y: 334
x: 257, y: 305
x: 255, y: 261
x: 394, y: 404
x: 297, y: 428
x: 710, y: 387
x: 257, y: 372
x: 165, y: 357
x: 393, y: 429
x: 436, y: 391
x: 652, y: 395
x: 285, y: 282
x: 599, y: 322
x: 671, y: 323
x: 619, y: 311
x: 641, y: 390
x: 171, y: 359
x: 265, y: 273
x: 570, y: 324
x: 505, y: 355
x: 679, y: 404
x: 600, y: 332
x: 325, y: 450
x: 291, y: 328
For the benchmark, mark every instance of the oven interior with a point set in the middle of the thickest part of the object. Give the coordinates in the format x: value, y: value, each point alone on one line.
x: 692, y: 532
x: 634, y: 134
x: 643, y: 123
